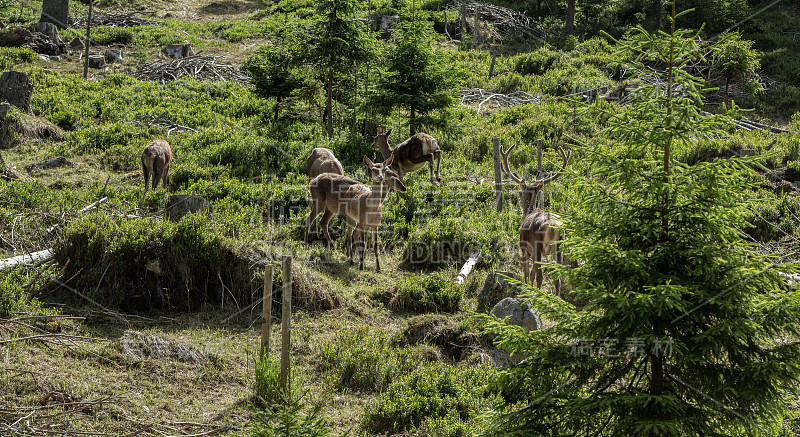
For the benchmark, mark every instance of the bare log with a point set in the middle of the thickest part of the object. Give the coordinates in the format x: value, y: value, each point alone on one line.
x: 27, y: 259
x: 474, y: 256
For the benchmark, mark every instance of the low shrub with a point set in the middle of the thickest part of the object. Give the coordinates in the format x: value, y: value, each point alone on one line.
x: 435, y: 291
x: 439, y: 398
x: 362, y: 359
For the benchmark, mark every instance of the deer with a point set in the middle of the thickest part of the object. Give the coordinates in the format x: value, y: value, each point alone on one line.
x: 539, y: 234
x: 156, y: 159
x: 411, y: 154
x: 360, y: 204
x: 321, y: 161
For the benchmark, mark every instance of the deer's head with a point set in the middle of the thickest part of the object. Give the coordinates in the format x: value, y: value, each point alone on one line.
x: 381, y: 140
x: 529, y: 191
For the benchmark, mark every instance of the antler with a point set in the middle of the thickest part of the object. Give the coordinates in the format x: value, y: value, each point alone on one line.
x: 505, y: 167
x: 565, y: 155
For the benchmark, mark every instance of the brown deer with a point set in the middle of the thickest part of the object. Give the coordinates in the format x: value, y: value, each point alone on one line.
x: 539, y: 235
x: 321, y: 161
x: 411, y: 154
x: 361, y: 205
x: 156, y: 159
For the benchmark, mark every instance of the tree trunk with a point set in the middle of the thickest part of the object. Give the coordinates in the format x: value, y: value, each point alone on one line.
x: 727, y: 99
x: 328, y: 103
x: 56, y: 12
x: 570, y: 27
x: 276, y: 109
x: 412, y: 121
x: 657, y: 12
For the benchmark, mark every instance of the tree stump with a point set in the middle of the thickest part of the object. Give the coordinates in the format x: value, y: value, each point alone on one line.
x: 56, y: 12
x: 16, y: 89
x: 77, y: 44
x: 97, y: 61
x: 178, y: 51
x: 113, y: 56
x: 178, y: 205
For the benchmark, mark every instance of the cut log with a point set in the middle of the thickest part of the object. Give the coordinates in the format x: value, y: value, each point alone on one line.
x: 113, y: 56
x: 178, y: 51
x: 26, y: 259
x: 56, y: 12
x: 16, y: 88
x: 474, y: 256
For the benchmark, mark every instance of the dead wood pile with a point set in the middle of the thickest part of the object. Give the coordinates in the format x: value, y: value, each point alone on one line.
x: 152, y: 120
x: 116, y: 19
x: 491, y: 98
x: 507, y: 22
x: 199, y: 67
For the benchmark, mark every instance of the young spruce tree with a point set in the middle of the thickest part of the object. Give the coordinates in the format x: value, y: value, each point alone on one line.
x: 417, y: 80
x: 686, y: 331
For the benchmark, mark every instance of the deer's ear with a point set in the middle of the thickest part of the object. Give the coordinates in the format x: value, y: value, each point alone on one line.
x: 389, y: 160
x: 368, y: 162
x: 389, y: 132
x: 380, y: 130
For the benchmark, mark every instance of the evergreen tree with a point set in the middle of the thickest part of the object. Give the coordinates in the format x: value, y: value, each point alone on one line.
x: 276, y: 69
x: 687, y: 331
x: 417, y: 79
x: 735, y: 59
x: 339, y: 43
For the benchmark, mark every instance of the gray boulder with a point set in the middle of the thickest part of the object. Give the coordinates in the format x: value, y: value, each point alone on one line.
x: 51, y: 163
x: 496, y: 287
x: 178, y: 205
x: 516, y: 312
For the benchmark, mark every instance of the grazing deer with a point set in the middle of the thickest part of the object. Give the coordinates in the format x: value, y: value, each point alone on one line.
x: 361, y: 205
x: 156, y: 159
x: 323, y: 161
x: 411, y: 154
x: 539, y: 235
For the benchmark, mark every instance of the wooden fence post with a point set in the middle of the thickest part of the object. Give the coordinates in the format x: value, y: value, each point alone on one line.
x: 540, y: 197
x: 498, y: 178
x: 463, y: 21
x: 285, y: 321
x: 491, y: 67
x: 266, y: 310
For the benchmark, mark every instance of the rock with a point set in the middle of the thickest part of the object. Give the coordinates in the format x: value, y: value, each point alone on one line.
x: 138, y: 345
x: 16, y: 89
x: 4, y: 108
x: 48, y: 29
x: 179, y: 205
x: 178, y: 51
x: 777, y: 175
x: 784, y: 187
x: 516, y: 312
x: 496, y: 287
x: 791, y: 174
x: 56, y: 162
x: 77, y: 44
x: 113, y: 56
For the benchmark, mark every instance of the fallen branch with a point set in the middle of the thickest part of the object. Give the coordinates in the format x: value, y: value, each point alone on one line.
x: 27, y: 259
x: 474, y: 256
x: 151, y: 120
x: 198, y: 66
x: 492, y: 97
x: 116, y: 19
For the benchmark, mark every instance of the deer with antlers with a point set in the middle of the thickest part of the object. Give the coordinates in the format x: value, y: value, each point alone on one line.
x: 539, y: 235
x: 411, y: 154
x: 361, y: 205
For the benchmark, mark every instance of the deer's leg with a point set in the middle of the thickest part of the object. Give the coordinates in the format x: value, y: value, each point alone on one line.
x: 146, y: 174
x: 351, y: 225
x: 158, y: 173
x: 438, y: 155
x: 375, y: 242
x: 165, y: 181
x: 310, y: 219
x: 362, y: 245
x: 536, y: 271
x: 525, y: 248
x: 323, y: 223
x: 558, y: 257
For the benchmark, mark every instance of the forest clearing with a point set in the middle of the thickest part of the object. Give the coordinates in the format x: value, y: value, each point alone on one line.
x: 392, y: 179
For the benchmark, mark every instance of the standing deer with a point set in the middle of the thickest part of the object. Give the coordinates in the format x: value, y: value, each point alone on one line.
x: 411, y: 154
x: 156, y: 159
x: 539, y: 235
x: 321, y: 161
x: 361, y: 205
